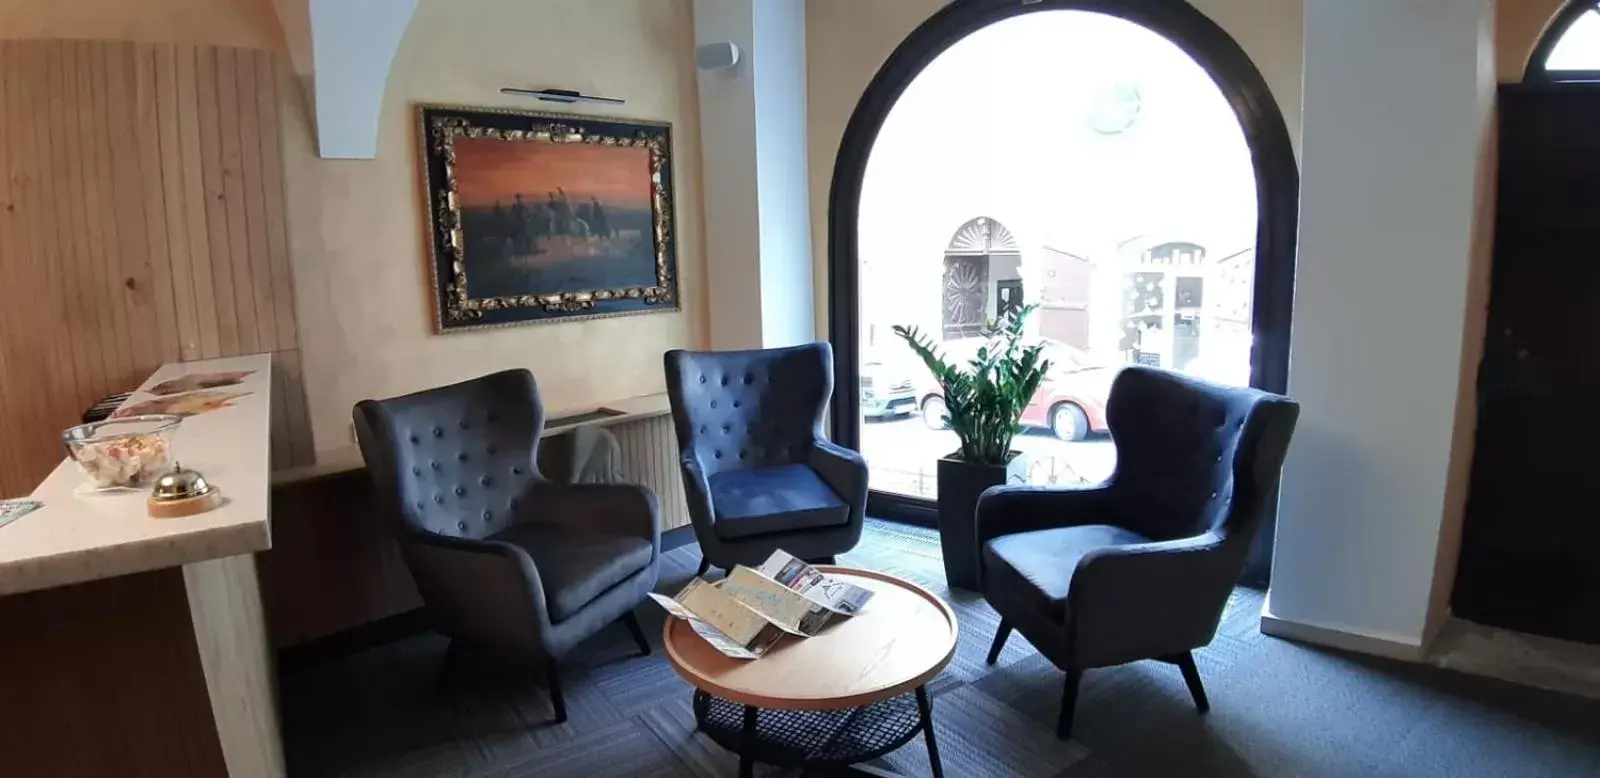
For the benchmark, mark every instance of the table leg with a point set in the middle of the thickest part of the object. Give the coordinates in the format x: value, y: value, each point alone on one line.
x: 925, y: 706
x: 701, y: 702
x: 747, y: 765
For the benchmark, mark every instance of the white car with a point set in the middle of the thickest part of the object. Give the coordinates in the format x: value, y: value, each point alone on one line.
x: 886, y: 393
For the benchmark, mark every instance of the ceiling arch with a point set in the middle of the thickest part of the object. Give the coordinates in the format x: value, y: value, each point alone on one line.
x: 343, y: 50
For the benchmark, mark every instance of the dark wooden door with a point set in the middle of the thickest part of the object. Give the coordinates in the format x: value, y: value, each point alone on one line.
x: 1530, y: 555
x: 966, y: 286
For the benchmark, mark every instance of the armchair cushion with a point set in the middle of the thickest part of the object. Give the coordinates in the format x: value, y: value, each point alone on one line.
x: 773, y: 499
x: 576, y: 566
x: 1035, y: 569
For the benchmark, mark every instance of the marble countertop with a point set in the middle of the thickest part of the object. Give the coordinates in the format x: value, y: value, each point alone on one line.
x: 81, y: 535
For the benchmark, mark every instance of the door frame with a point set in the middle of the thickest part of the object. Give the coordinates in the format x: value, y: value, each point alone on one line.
x: 1241, y: 83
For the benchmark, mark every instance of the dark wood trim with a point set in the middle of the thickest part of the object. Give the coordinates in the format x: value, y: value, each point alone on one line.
x: 1266, y: 132
x: 1534, y: 70
x: 906, y: 510
x: 347, y: 642
x: 677, y: 537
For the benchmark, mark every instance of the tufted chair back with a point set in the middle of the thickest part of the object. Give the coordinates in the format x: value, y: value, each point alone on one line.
x: 455, y: 460
x: 1194, y: 457
x: 743, y: 410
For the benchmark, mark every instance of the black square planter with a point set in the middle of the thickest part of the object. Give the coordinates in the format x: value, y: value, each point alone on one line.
x: 960, y: 485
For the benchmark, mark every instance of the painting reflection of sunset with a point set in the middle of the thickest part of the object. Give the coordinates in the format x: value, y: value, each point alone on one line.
x: 494, y: 171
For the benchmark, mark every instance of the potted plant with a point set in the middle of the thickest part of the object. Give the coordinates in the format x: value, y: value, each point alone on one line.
x: 983, y: 401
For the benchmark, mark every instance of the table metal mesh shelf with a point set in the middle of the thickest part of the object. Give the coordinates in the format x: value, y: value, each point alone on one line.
x: 811, y: 737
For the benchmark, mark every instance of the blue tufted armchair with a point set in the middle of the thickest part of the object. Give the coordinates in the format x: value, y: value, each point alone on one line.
x: 1141, y: 566
x: 756, y: 470
x: 505, y: 559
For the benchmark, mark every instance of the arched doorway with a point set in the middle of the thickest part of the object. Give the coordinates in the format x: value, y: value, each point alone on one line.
x: 982, y: 278
x: 1527, y: 560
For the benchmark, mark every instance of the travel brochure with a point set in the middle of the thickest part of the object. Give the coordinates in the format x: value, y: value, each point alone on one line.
x: 745, y: 614
x: 188, y: 395
x: 11, y: 510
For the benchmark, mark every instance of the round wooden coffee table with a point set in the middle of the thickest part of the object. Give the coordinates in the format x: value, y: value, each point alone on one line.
x: 852, y: 693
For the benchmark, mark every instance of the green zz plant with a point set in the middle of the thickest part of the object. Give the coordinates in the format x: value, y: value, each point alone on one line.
x: 984, y: 400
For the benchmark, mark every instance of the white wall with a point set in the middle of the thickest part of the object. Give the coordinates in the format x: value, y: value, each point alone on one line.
x: 1397, y: 97
x: 753, y: 115
x: 782, y: 170
x: 732, y: 214
x: 353, y: 44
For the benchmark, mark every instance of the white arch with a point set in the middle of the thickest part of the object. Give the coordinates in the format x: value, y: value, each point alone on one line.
x: 353, y: 43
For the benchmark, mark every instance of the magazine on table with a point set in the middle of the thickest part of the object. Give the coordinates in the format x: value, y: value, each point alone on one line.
x: 745, y: 614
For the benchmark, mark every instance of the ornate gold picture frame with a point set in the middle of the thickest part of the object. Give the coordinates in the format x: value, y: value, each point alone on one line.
x: 537, y: 217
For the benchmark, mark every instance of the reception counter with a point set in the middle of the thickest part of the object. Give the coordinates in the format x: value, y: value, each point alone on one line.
x: 135, y: 646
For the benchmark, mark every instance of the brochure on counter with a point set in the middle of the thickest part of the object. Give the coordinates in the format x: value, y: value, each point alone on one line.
x: 744, y: 614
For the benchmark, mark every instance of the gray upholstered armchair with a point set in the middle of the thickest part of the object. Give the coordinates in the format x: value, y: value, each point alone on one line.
x: 1139, y: 567
x: 756, y: 470
x: 504, y: 559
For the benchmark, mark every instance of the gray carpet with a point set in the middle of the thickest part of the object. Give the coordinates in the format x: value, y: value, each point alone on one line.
x: 1278, y: 709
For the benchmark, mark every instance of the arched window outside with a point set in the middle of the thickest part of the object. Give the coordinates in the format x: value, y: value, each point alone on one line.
x: 1570, y: 50
x: 981, y: 278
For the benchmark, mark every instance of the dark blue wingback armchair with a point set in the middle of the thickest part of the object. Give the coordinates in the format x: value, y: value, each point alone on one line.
x: 756, y: 470
x: 504, y: 558
x: 1141, y: 566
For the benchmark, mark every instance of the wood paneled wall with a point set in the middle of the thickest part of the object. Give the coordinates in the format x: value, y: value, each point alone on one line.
x: 142, y: 221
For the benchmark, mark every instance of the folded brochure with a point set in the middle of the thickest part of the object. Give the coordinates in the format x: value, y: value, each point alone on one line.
x: 743, y: 615
x: 11, y: 510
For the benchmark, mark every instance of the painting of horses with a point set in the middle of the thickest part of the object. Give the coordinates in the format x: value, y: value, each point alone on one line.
x: 540, y: 217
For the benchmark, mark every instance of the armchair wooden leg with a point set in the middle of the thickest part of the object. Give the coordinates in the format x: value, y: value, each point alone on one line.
x: 557, y: 702
x: 705, y: 565
x: 1069, y: 704
x: 632, y: 620
x: 1191, y: 676
x: 1000, y: 636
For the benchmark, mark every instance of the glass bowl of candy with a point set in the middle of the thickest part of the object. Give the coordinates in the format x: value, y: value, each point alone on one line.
x: 127, y: 453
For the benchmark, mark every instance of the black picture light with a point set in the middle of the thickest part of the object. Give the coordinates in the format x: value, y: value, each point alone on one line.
x: 561, y: 96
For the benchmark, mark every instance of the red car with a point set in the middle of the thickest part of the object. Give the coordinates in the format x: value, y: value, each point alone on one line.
x: 1071, y: 402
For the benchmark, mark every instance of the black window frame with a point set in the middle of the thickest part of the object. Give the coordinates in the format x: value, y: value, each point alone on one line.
x: 1536, y: 72
x: 1242, y: 84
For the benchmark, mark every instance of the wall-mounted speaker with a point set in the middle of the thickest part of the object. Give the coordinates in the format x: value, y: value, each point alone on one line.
x: 716, y: 56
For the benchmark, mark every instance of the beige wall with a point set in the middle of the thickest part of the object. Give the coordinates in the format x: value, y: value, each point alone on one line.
x: 848, y: 40
x: 246, y: 24
x: 361, y: 272
x: 1518, y: 26
x: 357, y: 238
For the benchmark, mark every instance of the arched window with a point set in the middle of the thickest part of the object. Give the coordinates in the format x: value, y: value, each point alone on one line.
x: 1570, y: 49
x: 1121, y: 113
x: 1133, y: 148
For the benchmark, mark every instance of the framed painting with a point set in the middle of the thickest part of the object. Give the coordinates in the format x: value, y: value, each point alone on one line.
x: 537, y: 217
